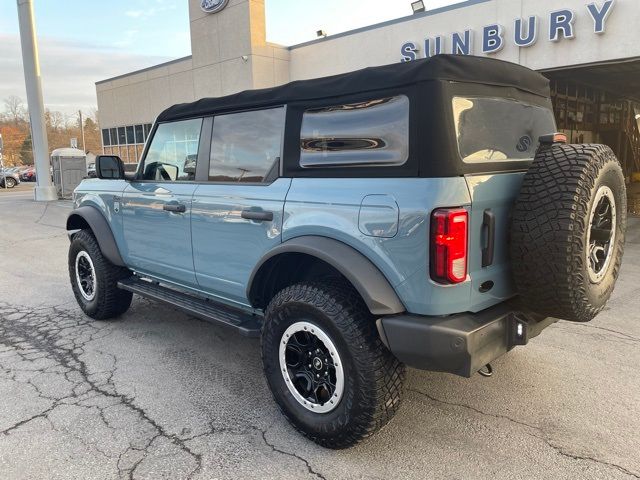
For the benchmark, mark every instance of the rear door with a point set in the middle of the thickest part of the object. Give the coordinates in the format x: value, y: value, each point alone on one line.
x: 237, y: 214
x: 490, y: 130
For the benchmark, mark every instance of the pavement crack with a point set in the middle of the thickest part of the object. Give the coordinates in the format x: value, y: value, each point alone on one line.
x: 540, y: 433
x: 62, y: 337
x: 607, y: 330
x: 290, y: 454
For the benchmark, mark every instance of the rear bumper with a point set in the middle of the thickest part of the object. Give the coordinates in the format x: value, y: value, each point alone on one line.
x: 460, y: 344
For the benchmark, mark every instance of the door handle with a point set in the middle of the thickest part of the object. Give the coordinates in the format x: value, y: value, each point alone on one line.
x: 489, y: 222
x: 175, y: 207
x: 259, y: 215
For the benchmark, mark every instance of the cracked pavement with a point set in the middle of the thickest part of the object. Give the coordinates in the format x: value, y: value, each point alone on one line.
x: 157, y: 394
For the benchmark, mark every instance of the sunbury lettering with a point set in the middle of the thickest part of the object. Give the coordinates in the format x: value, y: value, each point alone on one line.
x: 525, y: 33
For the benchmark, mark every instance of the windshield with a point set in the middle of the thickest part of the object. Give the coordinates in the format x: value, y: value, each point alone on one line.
x: 493, y: 129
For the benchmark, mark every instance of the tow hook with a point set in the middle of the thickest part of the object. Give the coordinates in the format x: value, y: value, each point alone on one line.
x: 486, y: 371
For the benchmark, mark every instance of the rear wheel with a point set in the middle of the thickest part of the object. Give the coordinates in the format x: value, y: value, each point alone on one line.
x: 10, y: 182
x: 328, y: 371
x: 567, y: 235
x: 94, y: 279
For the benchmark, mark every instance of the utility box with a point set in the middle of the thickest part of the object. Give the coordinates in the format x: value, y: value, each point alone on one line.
x: 69, y: 168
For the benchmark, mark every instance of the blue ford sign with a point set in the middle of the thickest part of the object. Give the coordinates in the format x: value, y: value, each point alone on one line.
x: 525, y: 33
x: 213, y: 6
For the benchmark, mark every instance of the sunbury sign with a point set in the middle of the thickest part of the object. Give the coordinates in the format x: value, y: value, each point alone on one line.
x: 524, y: 33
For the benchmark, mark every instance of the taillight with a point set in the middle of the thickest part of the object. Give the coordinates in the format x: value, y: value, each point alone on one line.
x: 449, y: 245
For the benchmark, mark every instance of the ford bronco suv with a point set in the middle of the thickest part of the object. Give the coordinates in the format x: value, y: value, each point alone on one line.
x: 422, y: 214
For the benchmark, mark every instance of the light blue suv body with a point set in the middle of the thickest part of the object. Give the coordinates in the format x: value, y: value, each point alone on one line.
x: 422, y: 214
x: 236, y: 198
x: 210, y: 249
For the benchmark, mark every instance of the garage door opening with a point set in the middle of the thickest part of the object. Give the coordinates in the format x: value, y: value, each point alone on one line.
x: 601, y: 104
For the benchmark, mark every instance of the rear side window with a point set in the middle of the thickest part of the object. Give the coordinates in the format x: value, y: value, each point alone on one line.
x: 371, y: 133
x: 246, y: 146
x: 494, y: 129
x: 173, y: 152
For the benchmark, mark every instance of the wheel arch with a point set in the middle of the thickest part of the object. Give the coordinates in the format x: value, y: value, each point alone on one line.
x: 324, y: 255
x: 90, y: 218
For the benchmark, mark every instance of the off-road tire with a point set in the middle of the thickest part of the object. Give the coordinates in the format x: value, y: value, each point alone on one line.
x: 374, y: 378
x: 109, y: 301
x: 9, y: 182
x: 549, y: 231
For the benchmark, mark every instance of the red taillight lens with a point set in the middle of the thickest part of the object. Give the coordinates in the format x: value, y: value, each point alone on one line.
x: 449, y: 245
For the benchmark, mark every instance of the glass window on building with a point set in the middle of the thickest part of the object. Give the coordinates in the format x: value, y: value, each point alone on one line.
x: 246, y: 146
x: 139, y: 134
x: 375, y: 132
x: 122, y: 136
x: 105, y: 137
x: 173, y: 153
x: 113, y: 135
x: 130, y: 137
x: 147, y: 130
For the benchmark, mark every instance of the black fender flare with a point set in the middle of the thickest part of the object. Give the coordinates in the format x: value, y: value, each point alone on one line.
x: 101, y: 230
x: 367, y: 279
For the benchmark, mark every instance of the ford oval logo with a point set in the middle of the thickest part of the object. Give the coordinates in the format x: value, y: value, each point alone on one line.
x: 213, y: 6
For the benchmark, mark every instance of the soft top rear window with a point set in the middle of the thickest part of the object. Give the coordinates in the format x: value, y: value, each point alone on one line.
x: 490, y: 129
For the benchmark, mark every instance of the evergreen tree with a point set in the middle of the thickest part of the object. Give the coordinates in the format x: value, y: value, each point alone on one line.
x: 26, y: 151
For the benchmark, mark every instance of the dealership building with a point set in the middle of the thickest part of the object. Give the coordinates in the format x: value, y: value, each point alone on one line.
x: 589, y: 49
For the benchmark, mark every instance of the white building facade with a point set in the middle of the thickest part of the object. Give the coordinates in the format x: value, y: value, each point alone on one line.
x: 588, y: 48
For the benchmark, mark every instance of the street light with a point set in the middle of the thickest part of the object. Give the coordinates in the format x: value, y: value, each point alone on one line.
x: 44, y: 190
x: 4, y: 175
x: 418, y: 6
x: 321, y: 34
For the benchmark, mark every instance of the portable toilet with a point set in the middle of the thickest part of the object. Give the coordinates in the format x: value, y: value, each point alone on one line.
x: 69, y: 168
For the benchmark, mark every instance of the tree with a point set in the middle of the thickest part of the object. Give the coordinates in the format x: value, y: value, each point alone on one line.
x: 26, y: 151
x: 13, y: 138
x: 14, y: 109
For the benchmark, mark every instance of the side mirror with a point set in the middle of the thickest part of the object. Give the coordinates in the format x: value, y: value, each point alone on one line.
x: 109, y: 167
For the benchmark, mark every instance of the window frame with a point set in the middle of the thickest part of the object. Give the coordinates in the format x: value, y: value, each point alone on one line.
x: 204, y: 146
x: 282, y: 146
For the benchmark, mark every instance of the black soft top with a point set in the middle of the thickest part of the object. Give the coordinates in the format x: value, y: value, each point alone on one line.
x: 457, y: 68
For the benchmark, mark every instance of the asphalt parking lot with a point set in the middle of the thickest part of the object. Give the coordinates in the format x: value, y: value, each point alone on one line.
x: 157, y: 394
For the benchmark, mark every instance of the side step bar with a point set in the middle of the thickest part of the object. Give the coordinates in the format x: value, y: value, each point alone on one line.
x: 208, y: 310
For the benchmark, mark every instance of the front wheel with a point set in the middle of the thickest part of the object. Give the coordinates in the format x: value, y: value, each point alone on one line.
x: 327, y: 369
x: 94, y: 279
x: 10, y: 182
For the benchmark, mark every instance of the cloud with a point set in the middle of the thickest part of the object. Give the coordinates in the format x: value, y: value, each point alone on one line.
x: 151, y: 9
x: 69, y: 70
x: 134, y: 13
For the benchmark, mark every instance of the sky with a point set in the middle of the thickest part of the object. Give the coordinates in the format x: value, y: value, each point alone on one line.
x: 81, y: 42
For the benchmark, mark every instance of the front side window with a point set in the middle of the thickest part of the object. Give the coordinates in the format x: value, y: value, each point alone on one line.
x: 371, y: 133
x: 246, y: 146
x: 497, y: 129
x: 173, y: 153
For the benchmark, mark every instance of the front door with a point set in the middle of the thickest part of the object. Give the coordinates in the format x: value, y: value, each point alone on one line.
x: 156, y: 207
x: 237, y: 214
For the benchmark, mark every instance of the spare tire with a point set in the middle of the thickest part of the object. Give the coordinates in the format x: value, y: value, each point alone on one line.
x: 567, y: 231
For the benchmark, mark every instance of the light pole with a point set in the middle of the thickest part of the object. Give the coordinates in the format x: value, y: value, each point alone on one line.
x: 4, y: 174
x: 84, y: 147
x: 44, y: 190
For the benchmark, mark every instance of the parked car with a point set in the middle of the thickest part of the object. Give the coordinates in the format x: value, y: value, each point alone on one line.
x: 9, y: 178
x: 423, y: 214
x: 28, y: 175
